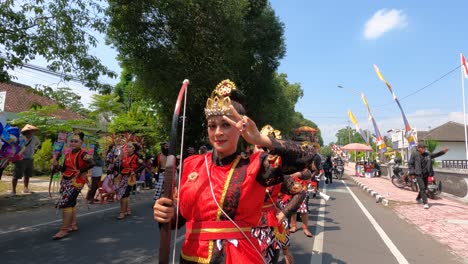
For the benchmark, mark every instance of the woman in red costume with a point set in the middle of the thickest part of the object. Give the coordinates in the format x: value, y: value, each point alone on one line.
x: 74, y: 168
x: 130, y: 166
x: 222, y: 193
x: 273, y: 228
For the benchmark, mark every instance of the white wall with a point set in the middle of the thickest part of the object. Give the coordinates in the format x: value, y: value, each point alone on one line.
x: 456, y: 151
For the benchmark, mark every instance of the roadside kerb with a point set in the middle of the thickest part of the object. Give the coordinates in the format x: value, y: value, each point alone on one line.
x: 378, y: 198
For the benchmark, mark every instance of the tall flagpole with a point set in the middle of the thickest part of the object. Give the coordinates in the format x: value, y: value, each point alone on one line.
x: 464, y: 106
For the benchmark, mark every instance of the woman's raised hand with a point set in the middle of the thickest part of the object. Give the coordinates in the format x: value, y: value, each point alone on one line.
x: 163, y: 210
x: 246, y: 127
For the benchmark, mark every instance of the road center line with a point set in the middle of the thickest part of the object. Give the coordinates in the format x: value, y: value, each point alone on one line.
x: 388, y: 242
x: 317, y: 249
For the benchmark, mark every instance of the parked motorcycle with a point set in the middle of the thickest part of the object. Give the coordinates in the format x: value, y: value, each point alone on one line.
x: 401, y: 179
x: 433, y: 188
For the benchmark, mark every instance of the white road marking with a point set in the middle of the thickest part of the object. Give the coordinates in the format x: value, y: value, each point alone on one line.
x: 317, y: 249
x: 55, y: 221
x: 388, y: 242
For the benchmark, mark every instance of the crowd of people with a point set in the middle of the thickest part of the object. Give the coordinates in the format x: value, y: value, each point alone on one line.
x: 238, y: 207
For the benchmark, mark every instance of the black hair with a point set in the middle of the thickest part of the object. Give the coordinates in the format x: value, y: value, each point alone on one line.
x: 136, y: 146
x: 79, y: 134
x: 238, y: 100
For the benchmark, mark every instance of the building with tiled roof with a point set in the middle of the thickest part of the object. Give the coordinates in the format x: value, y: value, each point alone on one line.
x: 451, y: 135
x: 20, y: 98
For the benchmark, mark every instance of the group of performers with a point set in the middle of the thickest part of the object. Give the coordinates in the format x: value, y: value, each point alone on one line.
x: 74, y: 176
x: 235, y: 207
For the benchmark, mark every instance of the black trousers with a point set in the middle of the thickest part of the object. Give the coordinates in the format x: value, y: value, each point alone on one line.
x: 328, y: 176
x: 93, y: 188
x: 422, y: 185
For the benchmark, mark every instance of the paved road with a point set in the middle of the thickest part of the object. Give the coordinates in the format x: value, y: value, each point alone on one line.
x: 101, y: 238
x: 349, y: 236
x: 343, y: 234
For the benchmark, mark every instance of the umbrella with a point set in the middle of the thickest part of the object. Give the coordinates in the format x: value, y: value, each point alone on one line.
x: 306, y: 129
x: 356, y: 147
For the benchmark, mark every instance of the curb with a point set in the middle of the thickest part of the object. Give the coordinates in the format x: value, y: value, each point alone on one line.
x: 378, y: 198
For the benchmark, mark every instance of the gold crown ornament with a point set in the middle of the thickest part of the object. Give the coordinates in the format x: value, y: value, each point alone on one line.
x: 219, y: 102
x: 268, y: 130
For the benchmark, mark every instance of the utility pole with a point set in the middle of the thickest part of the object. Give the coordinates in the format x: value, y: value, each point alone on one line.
x: 349, y: 133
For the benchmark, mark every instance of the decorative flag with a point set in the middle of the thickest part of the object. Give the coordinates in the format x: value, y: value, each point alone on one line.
x: 463, y: 64
x: 337, y: 150
x: 409, y: 133
x: 380, y: 142
x: 355, y: 122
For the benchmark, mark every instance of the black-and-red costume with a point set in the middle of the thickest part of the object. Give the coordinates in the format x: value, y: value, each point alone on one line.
x: 275, y: 234
x: 131, y: 165
x: 238, y: 186
x: 74, y: 168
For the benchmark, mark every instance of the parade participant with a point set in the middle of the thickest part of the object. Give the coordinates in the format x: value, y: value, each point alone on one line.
x: 96, y: 175
x: 314, y: 167
x: 202, y: 150
x: 420, y: 164
x: 162, y: 157
x: 273, y: 228
x: 131, y: 165
x: 74, y: 168
x: 222, y: 191
x: 161, y: 164
x: 327, y: 169
x: 25, y: 166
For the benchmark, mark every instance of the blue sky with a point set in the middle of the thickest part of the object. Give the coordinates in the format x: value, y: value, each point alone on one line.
x: 332, y: 43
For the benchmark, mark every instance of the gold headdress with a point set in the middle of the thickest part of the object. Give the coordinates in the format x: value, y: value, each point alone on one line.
x: 268, y: 130
x: 219, y: 102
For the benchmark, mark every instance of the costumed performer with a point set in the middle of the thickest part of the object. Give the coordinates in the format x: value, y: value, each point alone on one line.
x: 221, y: 192
x: 273, y: 228
x: 131, y: 166
x: 74, y: 169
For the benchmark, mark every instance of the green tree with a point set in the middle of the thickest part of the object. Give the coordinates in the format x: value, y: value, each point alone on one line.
x: 58, y: 30
x: 65, y: 97
x: 43, y: 157
x: 327, y: 151
x: 49, y: 126
x: 206, y: 41
x: 348, y: 135
x: 140, y: 120
x: 105, y: 106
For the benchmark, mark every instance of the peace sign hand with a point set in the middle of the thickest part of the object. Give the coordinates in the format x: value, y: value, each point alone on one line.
x: 246, y: 126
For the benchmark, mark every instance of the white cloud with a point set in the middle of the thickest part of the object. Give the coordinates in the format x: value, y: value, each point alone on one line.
x: 422, y: 120
x: 383, y: 21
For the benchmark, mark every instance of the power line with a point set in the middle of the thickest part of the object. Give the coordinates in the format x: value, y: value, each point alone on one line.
x: 419, y: 90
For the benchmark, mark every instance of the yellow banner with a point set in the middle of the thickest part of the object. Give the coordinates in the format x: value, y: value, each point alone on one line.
x: 352, y: 117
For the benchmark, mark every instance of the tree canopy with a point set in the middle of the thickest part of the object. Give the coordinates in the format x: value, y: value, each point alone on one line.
x: 60, y: 31
x: 164, y: 42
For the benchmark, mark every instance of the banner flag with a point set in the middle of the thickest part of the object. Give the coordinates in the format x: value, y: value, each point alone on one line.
x: 380, y: 142
x: 463, y: 64
x: 409, y: 133
x: 355, y: 122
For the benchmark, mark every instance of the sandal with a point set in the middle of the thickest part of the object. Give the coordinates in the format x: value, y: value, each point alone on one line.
x: 293, y: 229
x: 61, y: 234
x: 129, y: 212
x: 306, y: 231
x: 121, y: 216
x: 73, y: 228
